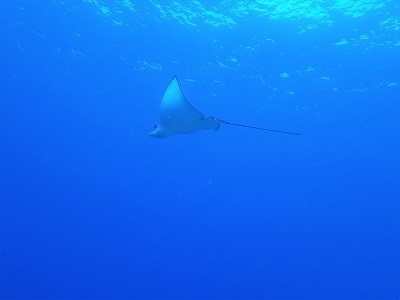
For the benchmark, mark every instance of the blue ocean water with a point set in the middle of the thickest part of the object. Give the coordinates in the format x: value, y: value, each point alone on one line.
x: 93, y: 208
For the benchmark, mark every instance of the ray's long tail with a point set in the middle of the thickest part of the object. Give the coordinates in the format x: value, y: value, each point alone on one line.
x: 254, y: 127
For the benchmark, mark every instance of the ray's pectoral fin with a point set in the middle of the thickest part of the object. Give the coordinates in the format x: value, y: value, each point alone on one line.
x: 174, y: 107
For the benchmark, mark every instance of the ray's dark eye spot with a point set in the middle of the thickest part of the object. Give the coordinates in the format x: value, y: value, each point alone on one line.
x: 155, y: 126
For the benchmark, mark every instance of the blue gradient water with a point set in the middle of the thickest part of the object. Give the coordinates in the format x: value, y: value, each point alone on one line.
x: 93, y: 208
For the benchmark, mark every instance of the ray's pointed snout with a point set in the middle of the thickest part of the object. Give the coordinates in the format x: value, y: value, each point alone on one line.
x: 154, y: 132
